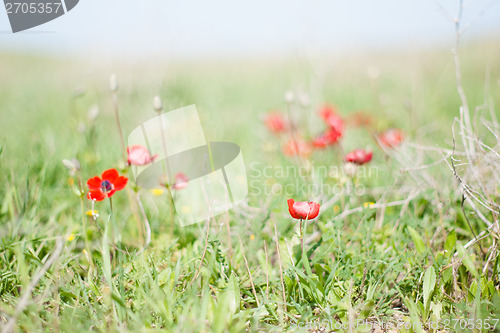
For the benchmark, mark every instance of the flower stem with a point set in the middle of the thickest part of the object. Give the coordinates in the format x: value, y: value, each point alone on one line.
x: 147, y: 226
x: 85, y: 235
x: 112, y: 218
x: 305, y: 260
x: 301, y: 239
x: 115, y: 109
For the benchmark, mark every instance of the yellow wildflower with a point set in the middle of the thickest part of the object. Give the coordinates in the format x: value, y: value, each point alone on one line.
x: 368, y: 204
x: 92, y: 213
x: 157, y: 191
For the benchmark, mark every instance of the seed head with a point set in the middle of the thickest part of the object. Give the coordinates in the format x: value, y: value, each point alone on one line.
x: 157, y: 104
x: 72, y: 165
x: 113, y: 83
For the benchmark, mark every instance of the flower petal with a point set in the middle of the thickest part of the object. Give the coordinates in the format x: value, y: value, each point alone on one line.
x: 120, y: 183
x: 359, y: 156
x: 94, y: 183
x: 139, y: 155
x: 314, y: 210
x: 291, y: 210
x: 97, y: 195
x: 181, y: 181
x: 111, y: 175
x: 391, y: 138
x: 275, y: 122
x: 301, y: 209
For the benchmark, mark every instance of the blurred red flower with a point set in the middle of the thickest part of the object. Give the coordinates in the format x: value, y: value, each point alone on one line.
x: 320, y: 141
x: 330, y: 137
x: 332, y: 119
x: 139, y: 155
x: 359, y: 156
x: 360, y: 118
x: 335, y: 127
x: 391, y: 138
x: 327, y: 111
x: 303, y: 210
x: 181, y: 181
x: 297, y: 147
x: 275, y: 122
x: 106, y: 185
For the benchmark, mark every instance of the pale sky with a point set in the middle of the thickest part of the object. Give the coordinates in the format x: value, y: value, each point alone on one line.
x: 230, y: 28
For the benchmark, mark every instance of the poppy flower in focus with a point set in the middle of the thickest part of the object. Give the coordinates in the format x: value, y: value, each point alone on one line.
x: 359, y: 156
x: 391, y: 138
x: 275, y: 122
x: 106, y: 185
x: 297, y: 147
x: 139, y: 155
x: 181, y: 181
x: 303, y: 210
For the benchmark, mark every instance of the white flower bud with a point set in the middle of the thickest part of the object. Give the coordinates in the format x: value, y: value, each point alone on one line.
x: 157, y: 104
x: 113, y: 83
x: 289, y: 97
x: 72, y: 165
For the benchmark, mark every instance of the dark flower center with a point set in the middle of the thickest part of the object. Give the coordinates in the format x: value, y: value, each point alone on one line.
x: 106, y: 186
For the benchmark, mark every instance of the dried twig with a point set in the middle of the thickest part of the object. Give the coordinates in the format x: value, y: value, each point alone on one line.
x: 464, y: 110
x: 468, y: 222
x: 249, y: 273
x: 378, y: 205
x: 493, y: 251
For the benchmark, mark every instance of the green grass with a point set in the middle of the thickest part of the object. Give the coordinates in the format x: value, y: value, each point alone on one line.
x: 390, y: 265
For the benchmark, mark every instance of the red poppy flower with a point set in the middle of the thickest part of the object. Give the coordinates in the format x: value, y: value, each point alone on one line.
x: 332, y: 119
x: 334, y: 131
x: 275, y: 123
x: 320, y: 141
x: 359, y: 156
x: 391, y: 138
x: 106, y: 185
x: 297, y: 147
x: 328, y: 138
x: 181, y: 181
x: 335, y: 123
x: 139, y: 155
x: 327, y: 111
x: 303, y: 210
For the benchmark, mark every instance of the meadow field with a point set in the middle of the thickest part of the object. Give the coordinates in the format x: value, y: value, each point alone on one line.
x: 407, y: 241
